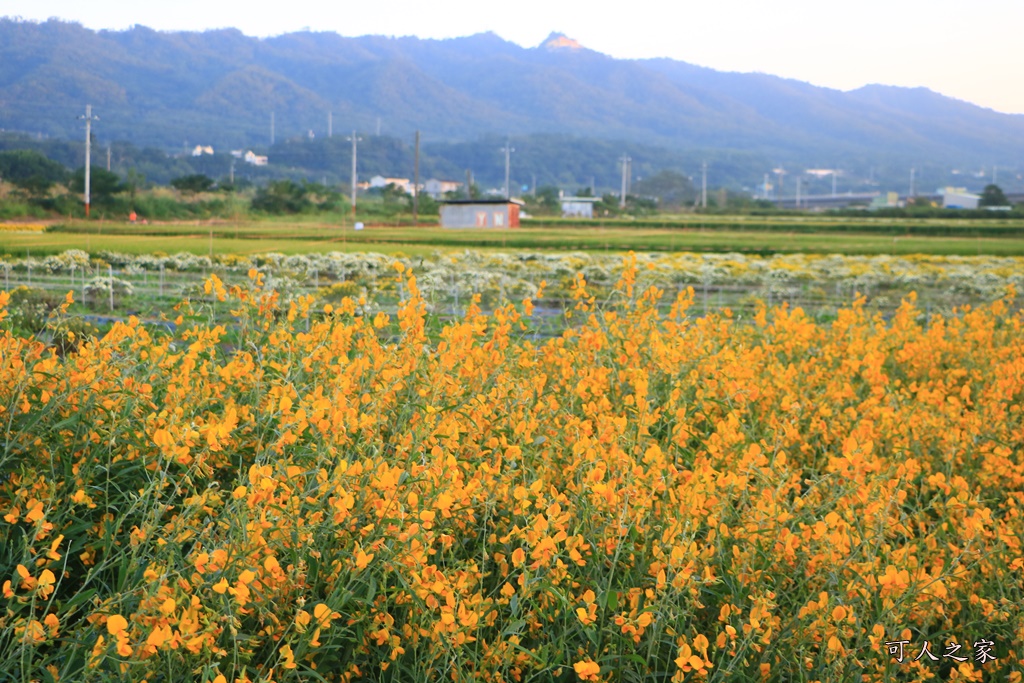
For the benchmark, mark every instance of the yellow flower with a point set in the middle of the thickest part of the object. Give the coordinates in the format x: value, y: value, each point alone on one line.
x: 587, y: 670
x: 288, y: 656
x: 116, y: 624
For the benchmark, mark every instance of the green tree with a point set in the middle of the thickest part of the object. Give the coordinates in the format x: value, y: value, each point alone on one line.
x: 544, y: 202
x: 193, y: 184
x: 474, y: 193
x: 103, y: 184
x: 133, y: 183
x: 428, y: 206
x: 35, y: 186
x: 31, y: 171
x: 393, y: 194
x: 672, y: 188
x: 282, y: 197
x: 993, y: 195
x: 22, y: 164
x: 608, y: 206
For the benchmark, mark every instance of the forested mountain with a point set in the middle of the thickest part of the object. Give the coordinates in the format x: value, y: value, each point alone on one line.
x: 221, y: 88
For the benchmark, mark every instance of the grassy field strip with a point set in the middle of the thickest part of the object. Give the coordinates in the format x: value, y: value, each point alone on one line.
x: 425, y: 240
x: 53, y: 243
x: 879, y: 225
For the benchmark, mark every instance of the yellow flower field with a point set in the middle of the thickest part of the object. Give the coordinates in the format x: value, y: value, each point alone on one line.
x: 22, y: 227
x: 319, y: 495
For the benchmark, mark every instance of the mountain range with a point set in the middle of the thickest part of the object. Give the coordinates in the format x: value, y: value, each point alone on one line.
x: 222, y: 88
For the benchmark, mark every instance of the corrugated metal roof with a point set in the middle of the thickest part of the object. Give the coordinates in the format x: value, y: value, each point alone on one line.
x: 481, y: 201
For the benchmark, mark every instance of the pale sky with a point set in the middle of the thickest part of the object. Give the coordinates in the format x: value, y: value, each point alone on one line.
x: 972, y: 51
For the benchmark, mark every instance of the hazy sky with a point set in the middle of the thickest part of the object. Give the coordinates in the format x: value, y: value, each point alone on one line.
x: 972, y: 51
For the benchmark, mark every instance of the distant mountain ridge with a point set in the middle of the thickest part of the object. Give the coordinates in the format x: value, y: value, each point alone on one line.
x: 221, y: 87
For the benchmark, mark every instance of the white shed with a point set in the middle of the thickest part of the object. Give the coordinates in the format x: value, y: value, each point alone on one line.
x: 578, y: 207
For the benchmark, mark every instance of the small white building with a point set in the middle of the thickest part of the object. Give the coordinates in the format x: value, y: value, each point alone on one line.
x: 578, y: 207
x: 888, y: 200
x: 959, y: 198
x: 254, y: 159
x: 379, y: 181
x: 437, y: 189
x: 200, y: 150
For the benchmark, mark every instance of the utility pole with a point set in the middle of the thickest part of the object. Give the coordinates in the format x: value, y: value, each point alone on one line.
x: 704, y: 185
x: 508, y: 149
x: 354, y: 140
x: 912, y: 191
x: 469, y: 184
x: 798, y: 192
x: 271, y: 128
x: 416, y: 182
x: 625, y: 172
x: 330, y: 124
x: 108, y: 157
x: 89, y: 118
x: 232, y: 172
x: 593, y: 187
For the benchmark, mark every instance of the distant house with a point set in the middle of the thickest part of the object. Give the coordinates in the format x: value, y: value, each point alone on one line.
x: 200, y: 150
x: 885, y: 201
x: 379, y: 181
x: 480, y: 213
x: 437, y: 189
x: 254, y: 159
x: 959, y: 198
x: 578, y: 207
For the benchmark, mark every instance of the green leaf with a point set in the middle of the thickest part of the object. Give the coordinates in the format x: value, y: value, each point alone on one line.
x: 78, y: 598
x: 514, y: 628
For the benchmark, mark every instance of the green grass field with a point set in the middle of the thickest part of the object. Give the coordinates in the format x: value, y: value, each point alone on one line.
x: 729, y: 234
x: 1001, y: 226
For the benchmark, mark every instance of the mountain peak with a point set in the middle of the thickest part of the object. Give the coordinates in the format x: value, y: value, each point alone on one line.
x: 560, y: 41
